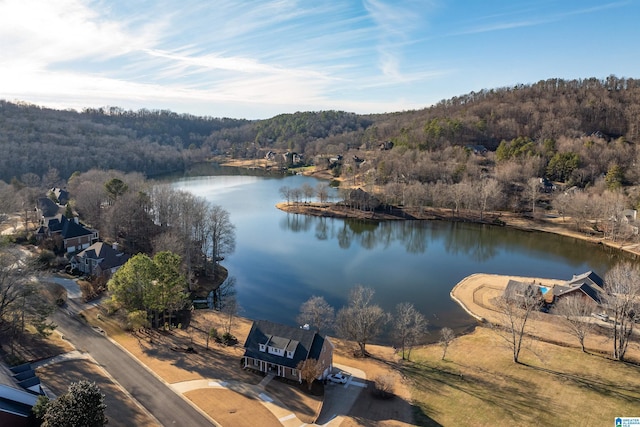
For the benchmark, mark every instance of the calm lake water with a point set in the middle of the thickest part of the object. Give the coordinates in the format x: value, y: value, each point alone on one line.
x: 283, y: 259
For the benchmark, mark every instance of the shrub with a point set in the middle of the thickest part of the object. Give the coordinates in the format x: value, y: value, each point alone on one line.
x: 384, y: 386
x: 229, y: 339
x: 45, y: 258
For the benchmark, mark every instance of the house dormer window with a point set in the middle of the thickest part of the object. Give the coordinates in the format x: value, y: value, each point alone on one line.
x: 276, y: 351
x: 290, y: 354
x: 263, y: 347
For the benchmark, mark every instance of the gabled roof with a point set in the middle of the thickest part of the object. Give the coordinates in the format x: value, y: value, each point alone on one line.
x: 98, y: 250
x: 585, y: 288
x: 307, y: 344
x: 61, y: 195
x: 71, y: 229
x: 14, y: 400
x: 47, y: 207
x: 517, y: 289
x: 108, y: 256
x: 589, y: 277
x: 55, y: 223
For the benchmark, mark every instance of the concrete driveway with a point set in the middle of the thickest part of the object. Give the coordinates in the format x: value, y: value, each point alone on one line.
x: 339, y: 398
x: 73, y: 290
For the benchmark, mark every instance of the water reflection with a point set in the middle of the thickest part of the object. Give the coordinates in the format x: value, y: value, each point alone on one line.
x: 480, y: 243
x: 283, y: 259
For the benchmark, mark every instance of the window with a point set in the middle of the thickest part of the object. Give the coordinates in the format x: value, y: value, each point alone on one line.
x: 276, y: 351
x: 262, y: 347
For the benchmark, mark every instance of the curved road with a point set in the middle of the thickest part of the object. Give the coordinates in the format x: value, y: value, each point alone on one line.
x: 168, y: 408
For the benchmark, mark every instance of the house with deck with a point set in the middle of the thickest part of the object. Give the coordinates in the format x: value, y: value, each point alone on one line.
x: 278, y: 349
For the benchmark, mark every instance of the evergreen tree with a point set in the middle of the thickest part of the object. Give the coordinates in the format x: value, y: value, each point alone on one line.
x: 82, y: 405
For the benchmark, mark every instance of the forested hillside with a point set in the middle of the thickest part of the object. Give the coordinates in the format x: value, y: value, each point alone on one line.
x: 548, y: 109
x: 34, y: 140
x: 554, y: 134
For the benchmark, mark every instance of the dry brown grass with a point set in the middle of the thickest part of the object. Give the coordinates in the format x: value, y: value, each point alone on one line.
x: 157, y: 350
x: 232, y: 409
x: 121, y: 410
x: 479, y: 385
x: 478, y: 292
x: 298, y: 400
x: 32, y: 347
x: 370, y: 410
x: 162, y: 351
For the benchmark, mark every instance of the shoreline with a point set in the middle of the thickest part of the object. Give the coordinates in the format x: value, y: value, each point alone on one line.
x: 551, y: 225
x: 548, y: 224
x: 476, y: 294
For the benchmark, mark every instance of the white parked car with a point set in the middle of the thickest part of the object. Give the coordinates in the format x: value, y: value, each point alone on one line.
x: 339, y: 378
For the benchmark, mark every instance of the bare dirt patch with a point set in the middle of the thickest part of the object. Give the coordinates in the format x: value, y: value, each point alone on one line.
x: 165, y: 352
x: 121, y: 410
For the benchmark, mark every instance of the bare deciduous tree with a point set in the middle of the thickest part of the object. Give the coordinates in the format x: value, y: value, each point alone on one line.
x: 576, y: 311
x: 409, y: 325
x: 310, y: 370
x: 489, y: 195
x: 516, y: 307
x: 446, y: 338
x: 285, y: 192
x: 322, y: 192
x: 316, y: 312
x: 307, y: 191
x: 622, y: 286
x: 361, y: 321
x: 230, y: 310
x: 296, y: 195
x: 533, y: 192
x: 22, y: 301
x: 220, y: 235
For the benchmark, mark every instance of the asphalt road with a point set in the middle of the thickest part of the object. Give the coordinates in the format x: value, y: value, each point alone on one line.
x: 169, y: 408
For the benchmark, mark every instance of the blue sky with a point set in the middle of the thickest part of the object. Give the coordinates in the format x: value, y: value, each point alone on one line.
x: 257, y: 59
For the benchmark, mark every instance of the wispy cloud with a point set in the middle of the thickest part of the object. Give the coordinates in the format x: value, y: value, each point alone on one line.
x: 266, y: 56
x: 548, y: 17
x: 395, y: 22
x: 49, y: 32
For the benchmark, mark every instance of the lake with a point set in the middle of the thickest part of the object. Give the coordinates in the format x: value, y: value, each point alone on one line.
x: 283, y: 259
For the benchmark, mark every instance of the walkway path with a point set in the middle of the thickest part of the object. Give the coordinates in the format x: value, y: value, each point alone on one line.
x: 70, y: 355
x: 338, y: 406
x: 276, y: 407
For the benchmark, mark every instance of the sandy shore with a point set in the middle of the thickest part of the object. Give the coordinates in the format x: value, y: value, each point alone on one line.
x: 477, y: 293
